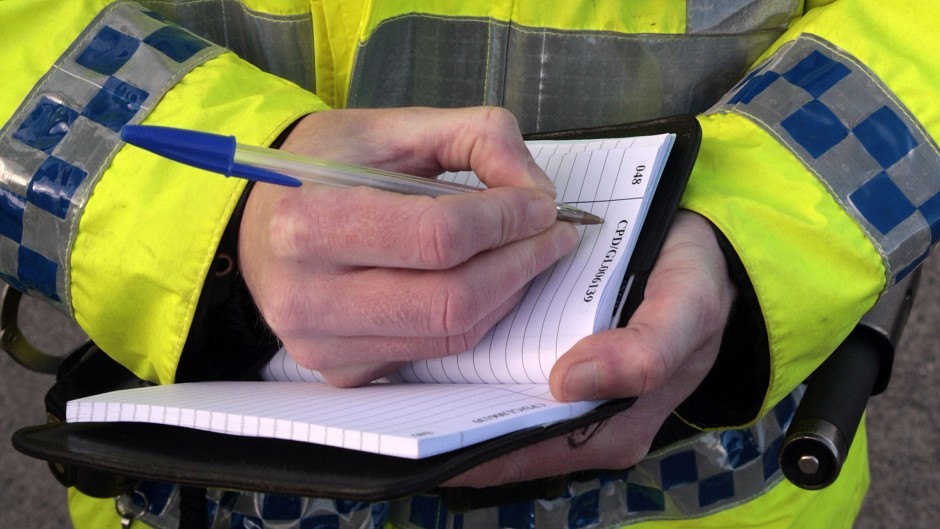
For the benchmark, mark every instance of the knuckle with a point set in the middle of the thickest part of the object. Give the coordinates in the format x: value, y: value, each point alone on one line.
x: 437, y: 240
x: 456, y: 308
x: 526, y: 265
x: 640, y: 371
x: 281, y: 313
x: 714, y: 312
x: 499, y: 119
x: 290, y: 232
x: 458, y: 344
x: 305, y: 227
x: 463, y: 341
x: 653, y: 370
x: 291, y: 314
x: 505, y: 224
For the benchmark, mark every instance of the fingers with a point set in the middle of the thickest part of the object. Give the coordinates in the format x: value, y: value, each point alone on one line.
x: 488, y: 140
x: 662, y: 355
x: 356, y: 360
x: 620, y: 442
x: 353, y: 280
x: 415, y: 303
x: 336, y: 322
x: 679, y: 324
x: 368, y: 227
x: 424, y: 141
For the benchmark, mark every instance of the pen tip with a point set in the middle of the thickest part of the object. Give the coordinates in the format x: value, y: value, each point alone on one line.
x: 590, y: 219
x: 577, y: 216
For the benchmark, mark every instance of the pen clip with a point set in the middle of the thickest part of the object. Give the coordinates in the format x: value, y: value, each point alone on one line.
x: 258, y: 174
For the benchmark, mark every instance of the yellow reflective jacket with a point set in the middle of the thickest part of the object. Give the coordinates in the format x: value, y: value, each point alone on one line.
x: 818, y: 161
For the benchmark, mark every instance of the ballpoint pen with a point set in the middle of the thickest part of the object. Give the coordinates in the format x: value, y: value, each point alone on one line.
x: 221, y: 154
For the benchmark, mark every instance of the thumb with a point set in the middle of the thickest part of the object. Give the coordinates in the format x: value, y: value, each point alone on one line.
x: 678, y: 325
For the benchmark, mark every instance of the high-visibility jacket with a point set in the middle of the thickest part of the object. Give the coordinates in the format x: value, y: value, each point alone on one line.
x: 819, y: 164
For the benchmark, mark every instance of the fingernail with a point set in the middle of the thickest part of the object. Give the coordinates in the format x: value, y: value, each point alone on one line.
x: 541, y: 179
x: 581, y: 382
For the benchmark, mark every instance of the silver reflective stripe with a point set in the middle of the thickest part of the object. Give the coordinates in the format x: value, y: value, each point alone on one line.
x: 737, y: 16
x: 549, y: 79
x: 58, y: 142
x: 279, y: 44
x: 705, y: 474
x: 862, y: 143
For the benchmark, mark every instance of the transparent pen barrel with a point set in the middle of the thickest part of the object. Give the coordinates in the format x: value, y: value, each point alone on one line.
x: 320, y: 171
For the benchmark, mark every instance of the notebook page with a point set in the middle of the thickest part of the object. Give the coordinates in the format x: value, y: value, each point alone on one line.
x: 574, y: 298
x: 411, y: 421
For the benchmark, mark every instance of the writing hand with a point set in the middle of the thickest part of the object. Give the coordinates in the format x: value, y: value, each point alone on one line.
x: 355, y: 281
x: 662, y: 355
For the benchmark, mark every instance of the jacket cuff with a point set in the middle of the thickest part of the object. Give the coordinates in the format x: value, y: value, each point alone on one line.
x: 228, y: 338
x: 734, y: 389
x: 148, y: 237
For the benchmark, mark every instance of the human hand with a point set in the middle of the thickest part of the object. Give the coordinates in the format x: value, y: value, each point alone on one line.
x: 355, y: 281
x: 662, y: 355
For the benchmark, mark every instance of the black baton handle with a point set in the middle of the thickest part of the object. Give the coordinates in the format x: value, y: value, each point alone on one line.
x: 819, y: 437
x: 821, y: 432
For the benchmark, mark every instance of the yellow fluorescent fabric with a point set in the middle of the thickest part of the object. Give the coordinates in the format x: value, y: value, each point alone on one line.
x: 93, y: 513
x: 794, y: 240
x: 157, y: 236
x: 60, y: 27
x: 336, y: 25
x: 639, y: 16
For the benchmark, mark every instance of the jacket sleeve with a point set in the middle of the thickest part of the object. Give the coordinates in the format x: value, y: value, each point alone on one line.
x: 821, y: 170
x: 119, y: 238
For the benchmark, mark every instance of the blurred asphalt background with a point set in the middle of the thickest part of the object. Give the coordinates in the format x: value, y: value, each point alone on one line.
x: 904, y: 425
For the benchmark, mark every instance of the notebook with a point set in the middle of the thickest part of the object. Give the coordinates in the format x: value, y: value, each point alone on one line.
x: 96, y: 454
x: 435, y: 406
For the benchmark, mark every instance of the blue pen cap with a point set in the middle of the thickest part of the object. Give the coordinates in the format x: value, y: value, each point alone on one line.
x: 212, y: 152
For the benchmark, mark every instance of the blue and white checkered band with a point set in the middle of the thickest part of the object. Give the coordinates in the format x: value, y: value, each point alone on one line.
x: 57, y: 144
x: 234, y: 510
x: 705, y: 474
x: 857, y: 137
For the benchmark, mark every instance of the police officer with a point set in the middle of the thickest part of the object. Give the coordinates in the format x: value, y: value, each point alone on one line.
x: 814, y: 191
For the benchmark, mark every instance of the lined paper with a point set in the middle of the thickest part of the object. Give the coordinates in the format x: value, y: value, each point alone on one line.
x: 403, y: 420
